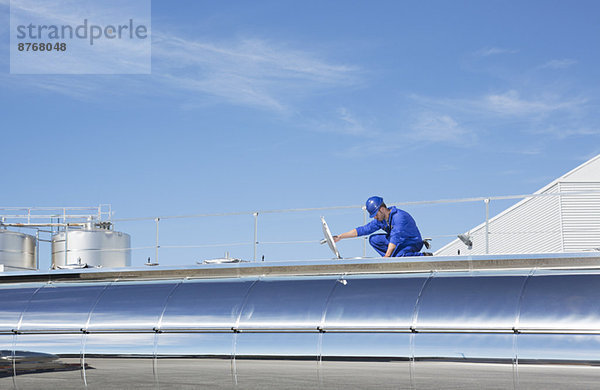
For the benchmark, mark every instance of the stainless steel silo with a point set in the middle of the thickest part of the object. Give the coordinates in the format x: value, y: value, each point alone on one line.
x: 17, y: 250
x: 94, y: 247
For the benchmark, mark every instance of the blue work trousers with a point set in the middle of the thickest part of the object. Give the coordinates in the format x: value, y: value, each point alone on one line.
x: 380, y: 243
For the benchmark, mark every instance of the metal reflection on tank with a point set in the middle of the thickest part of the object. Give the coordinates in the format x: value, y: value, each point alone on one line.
x: 492, y: 328
x: 48, y: 361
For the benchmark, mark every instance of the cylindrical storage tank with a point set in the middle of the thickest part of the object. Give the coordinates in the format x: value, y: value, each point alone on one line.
x: 17, y: 250
x: 95, y: 247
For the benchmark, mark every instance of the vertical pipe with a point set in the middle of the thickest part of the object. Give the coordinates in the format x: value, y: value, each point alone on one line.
x: 255, y: 233
x: 366, y: 237
x: 487, y: 226
x: 157, y: 219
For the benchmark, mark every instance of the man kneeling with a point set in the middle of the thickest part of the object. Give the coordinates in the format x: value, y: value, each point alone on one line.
x: 401, y: 237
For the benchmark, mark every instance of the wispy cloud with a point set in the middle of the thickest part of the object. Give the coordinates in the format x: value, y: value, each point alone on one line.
x: 245, y: 71
x: 559, y: 64
x: 351, y: 124
x: 416, y: 131
x: 511, y: 103
x: 343, y: 121
x: 474, y: 120
x: 508, y: 104
x: 568, y: 131
x: 435, y: 127
x: 491, y: 51
x: 252, y: 72
x: 525, y: 151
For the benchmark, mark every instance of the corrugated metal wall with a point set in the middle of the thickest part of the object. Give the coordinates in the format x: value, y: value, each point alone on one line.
x: 532, y: 226
x: 569, y: 223
x: 580, y: 217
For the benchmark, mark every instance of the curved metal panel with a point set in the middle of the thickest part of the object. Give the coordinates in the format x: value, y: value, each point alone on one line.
x: 463, y: 361
x: 276, y: 360
x: 286, y: 303
x: 561, y: 301
x: 205, y: 304
x: 365, y: 360
x: 476, y: 301
x: 61, y: 306
x: 48, y: 361
x: 131, y: 306
x: 6, y: 361
x: 374, y: 301
x: 13, y: 301
x: 118, y: 360
x: 555, y: 361
x: 195, y: 360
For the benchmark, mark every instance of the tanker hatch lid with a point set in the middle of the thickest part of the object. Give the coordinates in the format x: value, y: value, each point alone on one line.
x: 329, y: 239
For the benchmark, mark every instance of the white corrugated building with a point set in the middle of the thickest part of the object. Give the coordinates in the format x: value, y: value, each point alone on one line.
x: 544, y: 224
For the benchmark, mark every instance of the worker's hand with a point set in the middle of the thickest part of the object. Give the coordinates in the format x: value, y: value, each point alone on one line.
x: 336, y: 238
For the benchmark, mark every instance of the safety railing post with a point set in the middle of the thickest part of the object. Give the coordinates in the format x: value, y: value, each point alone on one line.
x: 157, y: 219
x: 366, y: 237
x: 487, y: 226
x: 255, y: 233
x: 66, y: 242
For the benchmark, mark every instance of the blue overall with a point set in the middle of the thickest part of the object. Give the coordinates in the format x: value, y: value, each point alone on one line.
x: 400, y: 229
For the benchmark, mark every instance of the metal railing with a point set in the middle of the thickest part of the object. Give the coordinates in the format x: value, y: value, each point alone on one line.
x: 34, y: 218
x: 485, y: 200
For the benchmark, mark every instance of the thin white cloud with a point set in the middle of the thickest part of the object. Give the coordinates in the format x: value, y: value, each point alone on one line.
x: 511, y: 103
x: 491, y: 51
x: 435, y: 127
x: 506, y: 104
x: 544, y: 115
x: 559, y: 64
x: 525, y: 151
x: 343, y: 122
x: 249, y: 72
x: 562, y: 132
x: 352, y: 124
x: 425, y: 128
x: 246, y: 71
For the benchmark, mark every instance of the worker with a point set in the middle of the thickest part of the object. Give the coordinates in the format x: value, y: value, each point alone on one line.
x: 401, y: 237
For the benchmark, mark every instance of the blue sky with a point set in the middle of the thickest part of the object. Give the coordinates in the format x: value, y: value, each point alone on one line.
x: 287, y: 104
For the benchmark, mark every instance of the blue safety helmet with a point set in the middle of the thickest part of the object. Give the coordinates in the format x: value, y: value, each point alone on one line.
x: 373, y: 204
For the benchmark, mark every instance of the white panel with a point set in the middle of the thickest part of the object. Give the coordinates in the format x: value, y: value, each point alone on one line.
x: 531, y: 226
x: 581, y: 216
x: 587, y: 172
x: 544, y: 224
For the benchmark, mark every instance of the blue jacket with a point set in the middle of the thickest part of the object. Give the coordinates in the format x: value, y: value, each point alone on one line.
x: 401, y: 230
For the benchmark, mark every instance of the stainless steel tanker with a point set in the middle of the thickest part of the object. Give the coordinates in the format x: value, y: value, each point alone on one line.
x: 487, y: 322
